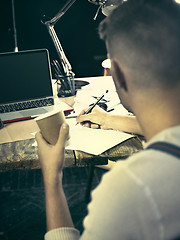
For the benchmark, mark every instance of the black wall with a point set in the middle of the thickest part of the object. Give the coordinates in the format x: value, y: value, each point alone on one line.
x: 76, y: 30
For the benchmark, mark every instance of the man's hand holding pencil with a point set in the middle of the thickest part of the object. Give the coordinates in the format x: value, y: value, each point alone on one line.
x: 94, y: 116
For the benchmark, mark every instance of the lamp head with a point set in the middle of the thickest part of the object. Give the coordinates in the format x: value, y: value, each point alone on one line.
x: 107, y: 6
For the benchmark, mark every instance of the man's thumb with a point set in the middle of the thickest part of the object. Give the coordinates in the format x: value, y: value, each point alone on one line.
x: 63, y: 134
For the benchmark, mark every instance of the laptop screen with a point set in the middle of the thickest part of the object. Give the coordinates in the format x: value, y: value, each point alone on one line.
x: 25, y: 75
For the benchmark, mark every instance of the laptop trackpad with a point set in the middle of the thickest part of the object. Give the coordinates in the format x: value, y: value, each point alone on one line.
x: 33, y: 112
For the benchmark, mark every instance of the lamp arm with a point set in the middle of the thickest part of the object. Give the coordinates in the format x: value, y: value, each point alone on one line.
x: 63, y: 59
x: 61, y: 12
x: 67, y: 69
x: 50, y: 26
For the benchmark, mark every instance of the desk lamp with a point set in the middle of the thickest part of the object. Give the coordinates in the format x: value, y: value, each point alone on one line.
x: 63, y: 68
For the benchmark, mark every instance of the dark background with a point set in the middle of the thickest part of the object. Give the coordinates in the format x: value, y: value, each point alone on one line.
x: 76, y: 30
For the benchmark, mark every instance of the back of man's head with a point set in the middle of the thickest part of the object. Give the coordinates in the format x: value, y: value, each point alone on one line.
x: 145, y: 36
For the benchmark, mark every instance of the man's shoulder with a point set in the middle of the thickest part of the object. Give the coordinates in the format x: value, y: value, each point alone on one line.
x: 150, y: 165
x: 168, y: 137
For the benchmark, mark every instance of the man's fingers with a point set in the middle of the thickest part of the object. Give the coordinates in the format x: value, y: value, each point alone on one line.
x: 39, y: 138
x: 63, y: 134
x: 84, y: 118
x: 86, y: 124
x: 82, y: 112
x: 95, y: 126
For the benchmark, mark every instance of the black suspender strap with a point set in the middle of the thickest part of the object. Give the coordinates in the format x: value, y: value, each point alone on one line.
x: 166, y: 147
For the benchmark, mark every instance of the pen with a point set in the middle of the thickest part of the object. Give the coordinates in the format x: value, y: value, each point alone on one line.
x: 57, y: 67
x: 93, y: 106
x: 62, y: 82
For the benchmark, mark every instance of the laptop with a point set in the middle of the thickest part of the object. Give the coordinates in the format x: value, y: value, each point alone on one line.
x: 26, y: 85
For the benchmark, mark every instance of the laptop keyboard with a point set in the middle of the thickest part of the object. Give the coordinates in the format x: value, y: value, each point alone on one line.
x: 26, y: 105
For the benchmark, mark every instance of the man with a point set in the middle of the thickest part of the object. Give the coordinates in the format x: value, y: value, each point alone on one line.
x: 143, y: 41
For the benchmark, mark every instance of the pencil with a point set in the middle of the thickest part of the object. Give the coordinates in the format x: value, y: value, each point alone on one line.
x: 93, y: 106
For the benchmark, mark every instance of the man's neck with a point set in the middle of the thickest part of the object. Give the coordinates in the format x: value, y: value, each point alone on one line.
x: 158, y: 114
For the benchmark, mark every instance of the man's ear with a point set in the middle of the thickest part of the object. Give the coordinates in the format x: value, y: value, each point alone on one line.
x: 118, y: 74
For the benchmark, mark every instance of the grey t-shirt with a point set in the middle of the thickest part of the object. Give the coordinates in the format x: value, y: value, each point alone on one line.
x: 138, y: 199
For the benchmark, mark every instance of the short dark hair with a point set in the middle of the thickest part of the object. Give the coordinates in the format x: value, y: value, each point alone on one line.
x: 146, y: 35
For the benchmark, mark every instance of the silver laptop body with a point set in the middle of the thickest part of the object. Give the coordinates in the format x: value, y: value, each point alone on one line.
x: 25, y: 85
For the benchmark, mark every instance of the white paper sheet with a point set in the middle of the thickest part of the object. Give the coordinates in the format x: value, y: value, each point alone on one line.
x: 97, y: 87
x: 93, y: 141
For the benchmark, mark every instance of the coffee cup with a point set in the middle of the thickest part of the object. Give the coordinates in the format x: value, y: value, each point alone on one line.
x: 50, y: 124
